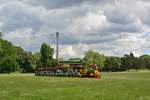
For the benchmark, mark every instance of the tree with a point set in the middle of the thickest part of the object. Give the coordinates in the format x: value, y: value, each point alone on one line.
x: 46, y: 55
x: 37, y: 57
x: 1, y: 50
x: 8, y: 56
x: 125, y: 62
x: 8, y: 49
x: 19, y: 51
x: 129, y: 62
x: 92, y: 57
x: 112, y: 64
x: 1, y: 34
x: 8, y: 64
x: 27, y: 63
x: 54, y: 62
x: 145, y: 61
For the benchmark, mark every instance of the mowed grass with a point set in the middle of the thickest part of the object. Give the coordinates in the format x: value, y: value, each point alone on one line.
x: 112, y: 86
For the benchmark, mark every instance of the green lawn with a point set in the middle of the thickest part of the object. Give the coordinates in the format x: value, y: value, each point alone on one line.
x: 112, y: 86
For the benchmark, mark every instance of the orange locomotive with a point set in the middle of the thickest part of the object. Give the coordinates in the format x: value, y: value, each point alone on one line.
x: 92, y: 72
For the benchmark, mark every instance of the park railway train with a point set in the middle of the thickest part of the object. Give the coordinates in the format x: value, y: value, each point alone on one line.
x: 69, y: 69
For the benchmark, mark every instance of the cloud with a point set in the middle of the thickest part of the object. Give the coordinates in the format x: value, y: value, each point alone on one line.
x: 112, y: 27
x: 119, y: 17
x: 60, y: 4
x: 15, y: 15
x: 53, y: 4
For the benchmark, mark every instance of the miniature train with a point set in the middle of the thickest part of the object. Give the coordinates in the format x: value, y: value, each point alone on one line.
x: 69, y: 70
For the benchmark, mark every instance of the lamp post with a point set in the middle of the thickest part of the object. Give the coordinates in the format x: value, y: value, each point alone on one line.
x: 57, y: 47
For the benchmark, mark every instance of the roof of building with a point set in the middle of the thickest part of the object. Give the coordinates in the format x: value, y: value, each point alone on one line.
x: 70, y: 62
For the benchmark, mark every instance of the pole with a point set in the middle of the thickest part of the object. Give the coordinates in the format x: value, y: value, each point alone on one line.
x: 57, y: 48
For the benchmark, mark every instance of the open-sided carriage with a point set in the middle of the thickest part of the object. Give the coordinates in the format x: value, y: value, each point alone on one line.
x: 59, y: 71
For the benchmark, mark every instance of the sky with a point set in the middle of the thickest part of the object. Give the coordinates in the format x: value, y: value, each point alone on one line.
x: 111, y: 27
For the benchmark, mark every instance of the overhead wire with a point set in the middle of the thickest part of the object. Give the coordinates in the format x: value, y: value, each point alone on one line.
x: 74, y: 38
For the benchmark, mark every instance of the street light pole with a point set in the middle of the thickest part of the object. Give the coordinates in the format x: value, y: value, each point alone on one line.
x: 57, y: 47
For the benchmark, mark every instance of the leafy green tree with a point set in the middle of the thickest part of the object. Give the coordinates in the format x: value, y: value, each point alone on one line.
x: 1, y: 34
x: 37, y: 57
x: 19, y: 51
x: 46, y: 55
x: 145, y: 61
x: 54, y: 62
x: 27, y: 63
x: 92, y: 57
x: 8, y: 49
x: 130, y: 62
x: 1, y: 50
x: 126, y: 62
x: 8, y: 56
x: 8, y: 64
x: 112, y: 64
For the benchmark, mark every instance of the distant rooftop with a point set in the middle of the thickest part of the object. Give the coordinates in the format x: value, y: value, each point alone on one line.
x: 70, y: 62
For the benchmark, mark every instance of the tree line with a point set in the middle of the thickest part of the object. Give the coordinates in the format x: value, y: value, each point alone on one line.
x: 13, y: 58
x: 112, y: 63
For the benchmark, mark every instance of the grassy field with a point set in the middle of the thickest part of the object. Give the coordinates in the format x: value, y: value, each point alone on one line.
x: 112, y: 86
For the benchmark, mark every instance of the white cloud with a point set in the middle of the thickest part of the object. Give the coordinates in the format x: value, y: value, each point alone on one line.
x: 112, y: 27
x: 91, y: 22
